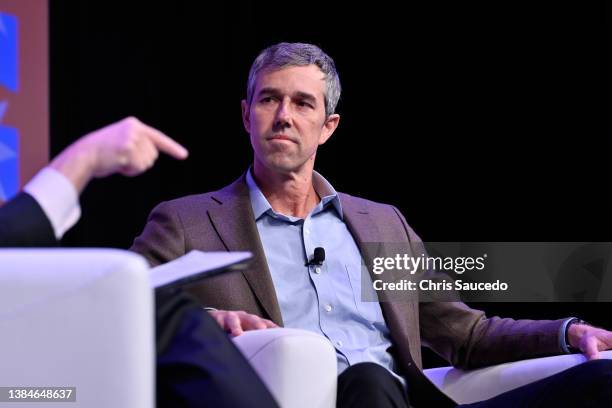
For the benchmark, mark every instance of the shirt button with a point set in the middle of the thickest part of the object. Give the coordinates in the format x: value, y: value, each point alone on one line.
x: 328, y: 308
x: 339, y: 343
x: 317, y: 270
x: 307, y: 231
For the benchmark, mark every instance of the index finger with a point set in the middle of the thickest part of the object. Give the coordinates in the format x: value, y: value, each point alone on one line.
x: 165, y: 144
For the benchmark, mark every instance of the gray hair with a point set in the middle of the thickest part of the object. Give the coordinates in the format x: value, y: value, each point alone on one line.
x: 284, y: 55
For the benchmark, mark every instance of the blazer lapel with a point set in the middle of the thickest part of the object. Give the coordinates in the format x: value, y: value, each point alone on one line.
x: 370, y: 242
x: 235, y: 223
x: 364, y: 230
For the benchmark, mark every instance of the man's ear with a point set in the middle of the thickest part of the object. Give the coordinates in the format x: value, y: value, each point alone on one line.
x: 330, y: 125
x: 246, y: 115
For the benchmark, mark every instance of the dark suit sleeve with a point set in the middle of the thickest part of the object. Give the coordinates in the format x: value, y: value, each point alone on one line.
x: 197, y: 364
x: 23, y: 223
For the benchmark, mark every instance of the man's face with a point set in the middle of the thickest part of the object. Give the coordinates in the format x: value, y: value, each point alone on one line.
x: 286, y: 118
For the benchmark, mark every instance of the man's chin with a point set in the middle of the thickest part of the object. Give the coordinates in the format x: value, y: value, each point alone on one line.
x: 284, y: 166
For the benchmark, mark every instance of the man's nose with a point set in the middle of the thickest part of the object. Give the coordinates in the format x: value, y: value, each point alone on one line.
x: 283, y: 114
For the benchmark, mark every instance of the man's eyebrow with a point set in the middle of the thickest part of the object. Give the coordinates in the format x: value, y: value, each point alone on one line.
x: 276, y: 92
x: 305, y: 95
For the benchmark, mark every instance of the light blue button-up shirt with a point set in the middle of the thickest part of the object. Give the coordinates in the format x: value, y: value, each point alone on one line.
x: 325, y: 299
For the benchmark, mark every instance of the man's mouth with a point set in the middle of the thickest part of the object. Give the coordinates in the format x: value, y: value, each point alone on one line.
x: 281, y: 137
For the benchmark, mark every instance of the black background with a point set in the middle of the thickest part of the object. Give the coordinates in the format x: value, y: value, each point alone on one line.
x: 485, y: 121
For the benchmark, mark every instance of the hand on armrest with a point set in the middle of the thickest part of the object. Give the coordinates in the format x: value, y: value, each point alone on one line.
x: 589, y: 340
x: 237, y: 322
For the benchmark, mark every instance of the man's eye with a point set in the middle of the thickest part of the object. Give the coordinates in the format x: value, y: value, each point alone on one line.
x: 267, y: 99
x: 303, y: 104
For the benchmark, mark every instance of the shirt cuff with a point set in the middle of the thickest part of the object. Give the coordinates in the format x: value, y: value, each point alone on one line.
x: 57, y: 197
x: 563, y: 335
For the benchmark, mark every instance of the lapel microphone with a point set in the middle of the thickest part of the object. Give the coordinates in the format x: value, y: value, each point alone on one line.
x: 318, y: 257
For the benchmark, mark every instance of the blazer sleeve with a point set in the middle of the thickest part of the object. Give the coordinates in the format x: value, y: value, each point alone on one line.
x: 467, y: 338
x: 23, y: 223
x: 163, y: 237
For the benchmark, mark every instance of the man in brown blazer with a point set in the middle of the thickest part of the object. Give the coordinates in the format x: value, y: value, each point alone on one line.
x: 281, y: 208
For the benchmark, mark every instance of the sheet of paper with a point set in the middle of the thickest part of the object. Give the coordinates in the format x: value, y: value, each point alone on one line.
x: 195, y: 265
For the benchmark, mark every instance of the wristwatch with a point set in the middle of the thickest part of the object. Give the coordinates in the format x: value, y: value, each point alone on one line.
x: 568, y: 348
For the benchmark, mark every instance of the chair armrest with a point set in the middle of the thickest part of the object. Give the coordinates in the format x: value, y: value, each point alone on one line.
x: 78, y: 318
x: 484, y: 383
x: 298, y: 367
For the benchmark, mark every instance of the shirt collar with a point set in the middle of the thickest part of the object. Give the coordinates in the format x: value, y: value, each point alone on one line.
x: 324, y: 189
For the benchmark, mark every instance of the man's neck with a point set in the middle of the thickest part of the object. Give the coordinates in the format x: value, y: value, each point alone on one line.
x: 288, y: 193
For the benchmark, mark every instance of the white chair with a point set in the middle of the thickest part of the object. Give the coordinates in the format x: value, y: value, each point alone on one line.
x: 476, y: 385
x: 462, y: 386
x: 298, y: 367
x: 84, y: 318
x: 78, y: 318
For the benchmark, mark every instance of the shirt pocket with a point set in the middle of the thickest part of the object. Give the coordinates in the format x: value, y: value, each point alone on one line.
x: 364, y: 295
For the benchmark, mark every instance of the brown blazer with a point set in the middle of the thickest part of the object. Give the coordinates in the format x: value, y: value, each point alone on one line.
x: 223, y: 221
